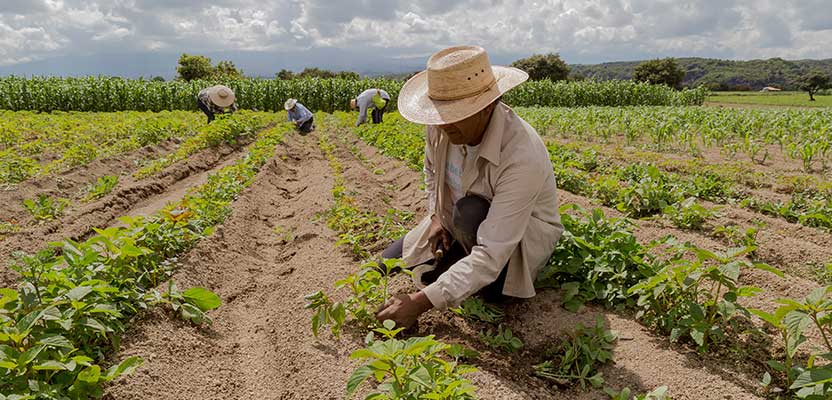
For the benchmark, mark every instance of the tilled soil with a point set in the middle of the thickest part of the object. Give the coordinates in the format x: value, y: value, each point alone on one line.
x: 129, y: 197
x: 260, y: 345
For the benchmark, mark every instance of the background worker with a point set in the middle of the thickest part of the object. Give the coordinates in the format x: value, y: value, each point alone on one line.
x: 217, y: 99
x: 300, y: 115
x: 376, y: 99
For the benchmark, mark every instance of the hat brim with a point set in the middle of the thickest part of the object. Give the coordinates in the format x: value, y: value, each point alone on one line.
x: 219, y: 101
x: 416, y: 106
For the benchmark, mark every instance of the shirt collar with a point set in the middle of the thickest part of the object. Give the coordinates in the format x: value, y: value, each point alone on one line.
x: 492, y: 140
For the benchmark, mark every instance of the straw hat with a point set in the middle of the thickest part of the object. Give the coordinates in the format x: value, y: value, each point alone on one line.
x: 353, y: 104
x: 290, y: 104
x: 221, y: 95
x: 459, y: 82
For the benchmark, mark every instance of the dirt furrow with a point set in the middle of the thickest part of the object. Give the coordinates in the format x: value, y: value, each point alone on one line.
x: 260, y: 345
x: 130, y: 197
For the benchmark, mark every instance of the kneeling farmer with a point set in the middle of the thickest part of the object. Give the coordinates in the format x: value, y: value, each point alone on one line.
x: 300, y: 115
x: 493, y: 216
x: 216, y: 100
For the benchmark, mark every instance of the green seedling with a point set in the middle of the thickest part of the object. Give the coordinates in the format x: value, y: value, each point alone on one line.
x: 688, y: 214
x: 409, y: 369
x: 477, y: 310
x: 695, y: 292
x: 102, y: 187
x: 368, y: 291
x: 659, y: 393
x: 45, y: 208
x: 285, y: 233
x: 576, y: 358
x: 502, y: 339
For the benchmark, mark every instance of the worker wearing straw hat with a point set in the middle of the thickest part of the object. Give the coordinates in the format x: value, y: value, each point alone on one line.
x: 300, y: 115
x: 375, y: 99
x: 492, y: 220
x: 216, y: 100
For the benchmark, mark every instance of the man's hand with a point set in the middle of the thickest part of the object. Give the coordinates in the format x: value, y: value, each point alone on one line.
x: 405, y: 309
x: 437, y: 234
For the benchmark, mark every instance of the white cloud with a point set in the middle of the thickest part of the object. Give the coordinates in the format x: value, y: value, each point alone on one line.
x: 582, y: 30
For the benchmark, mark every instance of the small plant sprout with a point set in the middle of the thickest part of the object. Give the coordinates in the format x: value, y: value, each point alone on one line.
x: 576, y: 358
x: 102, y: 187
x: 502, y: 339
x: 44, y: 208
x: 410, y: 369
x: 368, y: 291
x: 477, y: 310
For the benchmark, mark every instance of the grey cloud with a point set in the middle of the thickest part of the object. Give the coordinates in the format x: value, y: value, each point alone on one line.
x: 588, y: 30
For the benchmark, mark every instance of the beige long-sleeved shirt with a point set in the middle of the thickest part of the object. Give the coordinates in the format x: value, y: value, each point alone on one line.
x: 512, y: 171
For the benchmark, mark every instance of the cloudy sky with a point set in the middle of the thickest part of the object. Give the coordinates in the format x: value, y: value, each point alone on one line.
x: 583, y: 31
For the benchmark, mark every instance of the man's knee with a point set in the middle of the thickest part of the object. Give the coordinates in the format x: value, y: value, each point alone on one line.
x: 469, y: 212
x: 395, y: 250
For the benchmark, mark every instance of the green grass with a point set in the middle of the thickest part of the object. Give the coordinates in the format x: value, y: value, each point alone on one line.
x: 791, y: 99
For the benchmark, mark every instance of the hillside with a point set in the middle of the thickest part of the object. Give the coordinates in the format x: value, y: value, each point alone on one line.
x: 719, y: 74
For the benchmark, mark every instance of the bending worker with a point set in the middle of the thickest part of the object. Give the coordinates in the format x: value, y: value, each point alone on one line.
x: 376, y: 99
x: 492, y: 220
x: 216, y: 100
x: 300, y: 115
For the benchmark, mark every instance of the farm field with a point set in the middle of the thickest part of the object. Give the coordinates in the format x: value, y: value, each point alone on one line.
x: 270, y: 217
x: 785, y: 99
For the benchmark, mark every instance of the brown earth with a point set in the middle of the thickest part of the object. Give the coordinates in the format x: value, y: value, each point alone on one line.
x: 260, y: 345
x: 130, y: 197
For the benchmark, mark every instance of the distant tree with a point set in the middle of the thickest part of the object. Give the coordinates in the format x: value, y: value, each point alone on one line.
x: 285, y: 74
x: 658, y: 71
x: 541, y: 66
x: 157, y: 79
x: 227, y: 69
x: 315, y: 72
x: 813, y: 82
x: 348, y: 75
x: 194, y: 67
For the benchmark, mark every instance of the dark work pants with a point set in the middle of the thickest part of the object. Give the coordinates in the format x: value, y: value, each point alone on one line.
x: 306, y: 127
x: 469, y: 212
x: 378, y: 113
x: 206, y: 110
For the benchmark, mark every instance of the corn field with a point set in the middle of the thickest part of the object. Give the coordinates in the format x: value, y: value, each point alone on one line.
x: 116, y: 94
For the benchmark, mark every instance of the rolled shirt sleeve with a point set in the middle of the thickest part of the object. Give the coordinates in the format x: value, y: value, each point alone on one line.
x: 498, y: 236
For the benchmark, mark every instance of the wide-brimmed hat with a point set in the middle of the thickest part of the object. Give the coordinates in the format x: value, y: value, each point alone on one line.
x: 290, y: 104
x: 458, y: 82
x: 353, y: 103
x: 221, y: 95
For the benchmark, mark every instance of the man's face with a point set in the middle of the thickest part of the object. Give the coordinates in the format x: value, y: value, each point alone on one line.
x: 469, y: 130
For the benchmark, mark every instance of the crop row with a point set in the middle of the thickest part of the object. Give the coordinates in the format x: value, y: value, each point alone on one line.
x: 225, y: 129
x: 75, y: 298
x: 117, y: 94
x: 36, y: 144
x: 804, y: 135
x: 639, y: 189
x: 686, y: 292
